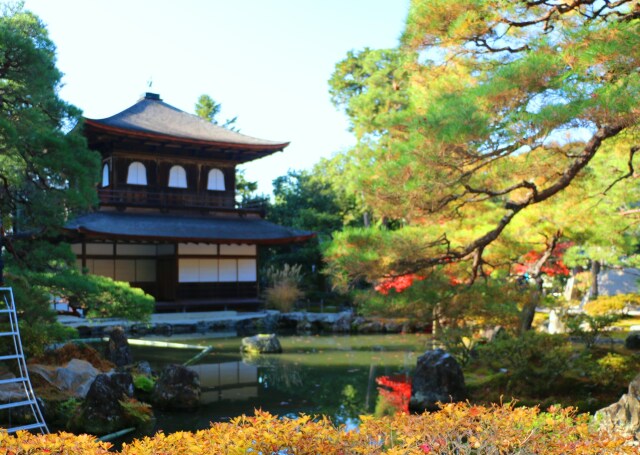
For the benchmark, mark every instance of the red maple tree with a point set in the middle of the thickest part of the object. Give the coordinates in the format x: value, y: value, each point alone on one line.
x: 396, y: 390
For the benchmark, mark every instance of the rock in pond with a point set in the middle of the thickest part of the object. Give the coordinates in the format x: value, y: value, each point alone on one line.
x: 177, y: 387
x: 438, y: 378
x: 74, y: 378
x: 102, y: 411
x: 261, y: 344
x: 117, y: 349
x: 623, y: 416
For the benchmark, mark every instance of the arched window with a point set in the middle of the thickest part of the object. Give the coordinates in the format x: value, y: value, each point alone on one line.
x: 177, y: 177
x: 105, y: 175
x: 215, y: 180
x: 137, y: 174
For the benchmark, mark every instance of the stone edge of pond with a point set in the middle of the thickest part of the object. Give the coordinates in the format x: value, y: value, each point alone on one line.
x: 235, y: 323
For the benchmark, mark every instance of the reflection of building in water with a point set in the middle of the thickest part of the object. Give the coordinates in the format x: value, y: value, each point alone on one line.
x: 227, y: 381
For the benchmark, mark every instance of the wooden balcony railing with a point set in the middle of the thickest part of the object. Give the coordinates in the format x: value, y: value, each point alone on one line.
x: 168, y: 199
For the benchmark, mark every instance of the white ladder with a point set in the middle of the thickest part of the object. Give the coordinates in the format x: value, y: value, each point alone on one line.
x: 8, y: 308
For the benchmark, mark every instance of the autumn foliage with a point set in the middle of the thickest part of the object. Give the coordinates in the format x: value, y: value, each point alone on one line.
x: 396, y: 390
x: 397, y: 283
x: 457, y: 428
x: 553, y: 267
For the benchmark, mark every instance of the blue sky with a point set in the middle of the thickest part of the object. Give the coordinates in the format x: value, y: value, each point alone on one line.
x: 266, y: 61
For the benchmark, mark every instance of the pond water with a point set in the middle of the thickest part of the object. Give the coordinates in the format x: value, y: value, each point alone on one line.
x: 331, y: 375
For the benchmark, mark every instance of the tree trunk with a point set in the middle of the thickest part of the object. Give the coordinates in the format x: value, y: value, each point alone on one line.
x: 595, y: 270
x: 529, y: 309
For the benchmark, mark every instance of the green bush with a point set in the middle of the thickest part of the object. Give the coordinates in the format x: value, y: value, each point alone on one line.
x: 38, y: 324
x: 533, y: 360
x: 459, y: 342
x: 589, y: 328
x: 612, y: 369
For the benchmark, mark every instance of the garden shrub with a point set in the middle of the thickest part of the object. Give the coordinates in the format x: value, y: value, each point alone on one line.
x: 459, y: 342
x: 457, y: 428
x: 607, y: 304
x: 588, y: 329
x: 284, y: 287
x: 611, y: 369
x: 532, y: 361
x: 137, y: 412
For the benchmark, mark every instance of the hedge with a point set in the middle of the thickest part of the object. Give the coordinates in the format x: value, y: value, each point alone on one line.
x: 457, y: 428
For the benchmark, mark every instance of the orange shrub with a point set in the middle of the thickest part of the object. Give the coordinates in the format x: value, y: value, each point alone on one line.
x: 457, y: 428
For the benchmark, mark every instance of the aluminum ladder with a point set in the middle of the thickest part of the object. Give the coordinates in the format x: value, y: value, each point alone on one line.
x: 8, y: 311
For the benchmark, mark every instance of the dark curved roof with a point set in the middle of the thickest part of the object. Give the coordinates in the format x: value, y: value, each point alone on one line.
x: 151, y: 116
x: 157, y: 226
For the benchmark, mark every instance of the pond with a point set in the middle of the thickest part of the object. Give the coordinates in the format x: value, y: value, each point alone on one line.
x: 331, y: 375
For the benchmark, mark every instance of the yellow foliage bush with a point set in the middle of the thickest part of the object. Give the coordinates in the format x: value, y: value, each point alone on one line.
x: 457, y: 428
x: 611, y: 304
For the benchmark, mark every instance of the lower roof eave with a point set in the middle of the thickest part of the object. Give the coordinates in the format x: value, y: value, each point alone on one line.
x: 166, y: 239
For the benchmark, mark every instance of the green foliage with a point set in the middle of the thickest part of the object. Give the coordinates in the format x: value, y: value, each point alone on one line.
x: 38, y: 324
x: 417, y: 302
x: 97, y: 296
x: 367, y: 85
x: 311, y: 202
x: 41, y: 271
x: 48, y: 175
x: 46, y: 170
x: 144, y: 383
x: 589, y: 329
x: 246, y: 196
x: 481, y: 128
x: 459, y: 342
x: 207, y: 109
x: 136, y: 412
x: 384, y: 407
x: 533, y: 361
x: 612, y: 369
x: 68, y: 407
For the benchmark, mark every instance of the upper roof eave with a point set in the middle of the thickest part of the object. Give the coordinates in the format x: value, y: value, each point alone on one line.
x: 100, y: 127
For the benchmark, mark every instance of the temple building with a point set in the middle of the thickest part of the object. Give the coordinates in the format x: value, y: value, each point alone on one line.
x: 168, y: 221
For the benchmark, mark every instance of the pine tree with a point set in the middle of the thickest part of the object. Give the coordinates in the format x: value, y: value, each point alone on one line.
x: 471, y: 136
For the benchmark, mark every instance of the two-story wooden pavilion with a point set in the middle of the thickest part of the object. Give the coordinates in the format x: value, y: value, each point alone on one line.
x: 168, y: 221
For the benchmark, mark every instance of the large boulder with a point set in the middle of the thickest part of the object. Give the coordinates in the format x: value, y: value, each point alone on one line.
x: 74, y: 378
x: 438, y: 378
x: 11, y: 391
x: 102, y: 411
x: 261, y: 344
x: 392, y: 326
x: 177, y: 387
x: 623, y: 416
x: 370, y: 327
x: 305, y: 326
x: 342, y: 324
x: 117, y: 349
x: 632, y: 341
